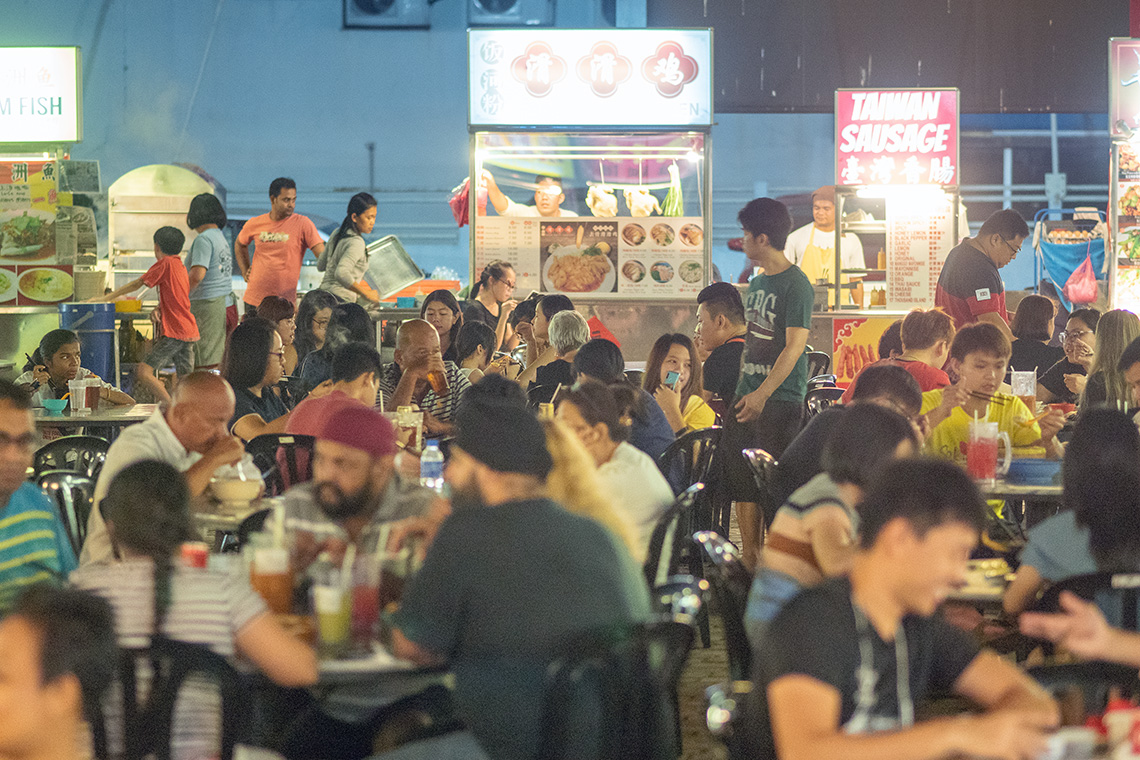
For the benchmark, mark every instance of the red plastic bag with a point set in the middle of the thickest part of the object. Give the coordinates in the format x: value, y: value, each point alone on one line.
x: 458, y: 202
x: 1081, y: 286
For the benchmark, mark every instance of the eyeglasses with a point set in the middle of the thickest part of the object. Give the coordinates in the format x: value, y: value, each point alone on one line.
x: 320, y: 323
x: 1011, y: 246
x: 278, y: 354
x: 1067, y: 335
x: 510, y: 285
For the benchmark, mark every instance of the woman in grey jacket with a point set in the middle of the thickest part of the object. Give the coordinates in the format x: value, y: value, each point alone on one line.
x: 345, y: 259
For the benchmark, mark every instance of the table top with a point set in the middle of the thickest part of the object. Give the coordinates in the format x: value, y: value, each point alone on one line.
x: 986, y: 582
x: 1005, y: 490
x: 108, y: 415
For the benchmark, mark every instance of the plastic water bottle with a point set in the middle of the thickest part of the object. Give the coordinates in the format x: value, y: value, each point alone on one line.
x: 431, y: 466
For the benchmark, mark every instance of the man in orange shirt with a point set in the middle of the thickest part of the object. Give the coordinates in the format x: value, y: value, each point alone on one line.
x: 280, y: 239
x: 179, y: 328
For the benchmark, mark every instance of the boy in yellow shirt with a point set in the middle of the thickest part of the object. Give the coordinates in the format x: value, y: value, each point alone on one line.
x: 978, y: 356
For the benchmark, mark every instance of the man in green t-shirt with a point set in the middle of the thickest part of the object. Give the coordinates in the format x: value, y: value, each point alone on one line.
x: 773, y: 373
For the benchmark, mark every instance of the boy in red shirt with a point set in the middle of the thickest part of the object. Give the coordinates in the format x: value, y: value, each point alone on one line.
x: 179, y: 329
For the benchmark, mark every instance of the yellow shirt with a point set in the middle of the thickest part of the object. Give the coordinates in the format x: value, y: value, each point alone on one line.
x: 698, y: 414
x: 948, y: 440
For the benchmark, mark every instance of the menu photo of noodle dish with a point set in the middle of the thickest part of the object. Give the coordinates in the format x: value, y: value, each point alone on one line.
x: 578, y: 256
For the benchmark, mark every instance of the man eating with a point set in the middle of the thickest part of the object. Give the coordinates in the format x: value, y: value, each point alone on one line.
x: 847, y: 663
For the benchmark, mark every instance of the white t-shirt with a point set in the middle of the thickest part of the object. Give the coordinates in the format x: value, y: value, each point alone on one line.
x: 638, y: 490
x: 44, y: 391
x: 518, y: 209
x: 851, y: 252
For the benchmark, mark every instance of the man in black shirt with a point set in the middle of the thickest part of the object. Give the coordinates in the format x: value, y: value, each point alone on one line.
x: 885, y: 385
x: 845, y: 664
x: 720, y: 330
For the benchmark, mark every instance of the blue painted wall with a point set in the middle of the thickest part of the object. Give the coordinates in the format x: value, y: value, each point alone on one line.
x: 284, y: 90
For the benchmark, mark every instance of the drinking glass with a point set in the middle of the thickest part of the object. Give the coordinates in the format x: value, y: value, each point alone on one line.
x: 982, y: 452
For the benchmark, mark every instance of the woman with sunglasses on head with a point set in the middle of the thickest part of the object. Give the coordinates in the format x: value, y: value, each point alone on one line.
x: 491, y: 302
x: 1065, y: 380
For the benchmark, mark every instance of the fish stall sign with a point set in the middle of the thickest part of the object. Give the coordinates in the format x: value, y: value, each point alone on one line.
x: 896, y: 137
x: 40, y: 95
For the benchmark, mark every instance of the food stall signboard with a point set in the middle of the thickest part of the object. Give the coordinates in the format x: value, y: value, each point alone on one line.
x: 40, y: 95
x: 587, y: 77
x: 1123, y: 87
x: 920, y: 233
x: 896, y: 137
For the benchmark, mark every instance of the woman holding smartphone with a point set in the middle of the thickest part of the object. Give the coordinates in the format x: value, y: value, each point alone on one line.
x: 673, y: 378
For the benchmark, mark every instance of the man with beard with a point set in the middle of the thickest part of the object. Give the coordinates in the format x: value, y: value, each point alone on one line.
x: 499, y: 623
x: 355, y: 490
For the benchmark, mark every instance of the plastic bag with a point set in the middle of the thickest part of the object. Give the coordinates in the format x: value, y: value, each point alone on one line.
x: 1081, y: 287
x: 460, y: 202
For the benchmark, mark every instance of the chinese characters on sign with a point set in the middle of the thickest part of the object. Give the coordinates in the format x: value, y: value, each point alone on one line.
x: 662, y: 76
x: 907, y: 137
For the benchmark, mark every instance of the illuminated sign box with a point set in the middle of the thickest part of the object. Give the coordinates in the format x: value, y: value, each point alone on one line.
x: 589, y: 77
x: 40, y: 95
x: 896, y: 137
x: 1123, y: 87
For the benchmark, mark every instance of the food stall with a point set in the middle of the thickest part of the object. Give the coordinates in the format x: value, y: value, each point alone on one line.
x: 618, y: 120
x: 1124, y: 184
x: 897, y: 190
x: 48, y: 203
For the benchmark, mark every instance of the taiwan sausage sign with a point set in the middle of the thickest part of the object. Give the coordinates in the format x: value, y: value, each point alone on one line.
x: 896, y: 137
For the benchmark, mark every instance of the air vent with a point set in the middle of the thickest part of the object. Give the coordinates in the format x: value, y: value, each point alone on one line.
x: 386, y: 14
x: 510, y: 12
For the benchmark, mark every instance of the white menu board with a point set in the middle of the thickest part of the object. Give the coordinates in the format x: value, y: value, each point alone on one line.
x: 918, y: 238
x: 642, y: 257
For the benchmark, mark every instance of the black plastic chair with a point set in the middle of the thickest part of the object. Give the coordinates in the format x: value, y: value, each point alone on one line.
x: 682, y: 597
x: 72, y: 494
x: 818, y: 363
x: 730, y: 582
x: 689, y: 459
x: 821, y: 381
x: 541, y: 394
x: 285, y: 459
x: 82, y: 454
x: 147, y: 724
x: 607, y: 696
x: 820, y: 398
x: 671, y: 536
x: 763, y: 466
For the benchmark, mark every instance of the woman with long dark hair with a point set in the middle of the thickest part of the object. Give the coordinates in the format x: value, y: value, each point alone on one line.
x: 147, y: 508
x: 491, y: 302
x: 210, y: 267
x: 1032, y: 329
x: 1100, y: 530
x: 346, y: 256
x: 1106, y: 385
x: 441, y: 310
x: 56, y: 361
x: 313, y: 315
x: 254, y: 364
x: 680, y: 400
x: 348, y: 323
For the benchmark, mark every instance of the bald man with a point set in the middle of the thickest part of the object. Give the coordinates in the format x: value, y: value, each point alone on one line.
x: 405, y: 382
x: 191, y: 434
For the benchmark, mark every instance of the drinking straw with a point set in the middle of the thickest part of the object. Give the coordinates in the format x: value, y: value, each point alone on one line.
x: 346, y: 567
x: 382, y: 541
x: 279, y: 523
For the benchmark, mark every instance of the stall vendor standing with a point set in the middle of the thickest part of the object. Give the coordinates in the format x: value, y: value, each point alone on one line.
x: 970, y: 289
x: 548, y: 198
x: 812, y: 247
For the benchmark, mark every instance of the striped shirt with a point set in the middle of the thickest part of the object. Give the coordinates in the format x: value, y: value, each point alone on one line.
x: 207, y: 608
x: 443, y: 409
x: 33, y: 544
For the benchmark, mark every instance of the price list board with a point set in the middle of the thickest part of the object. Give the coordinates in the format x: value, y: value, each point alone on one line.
x: 642, y: 257
x: 918, y: 239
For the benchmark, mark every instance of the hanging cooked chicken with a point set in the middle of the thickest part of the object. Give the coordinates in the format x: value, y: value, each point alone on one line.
x: 641, y: 202
x: 601, y: 200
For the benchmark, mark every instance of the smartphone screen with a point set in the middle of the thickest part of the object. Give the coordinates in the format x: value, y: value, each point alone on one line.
x: 671, y: 379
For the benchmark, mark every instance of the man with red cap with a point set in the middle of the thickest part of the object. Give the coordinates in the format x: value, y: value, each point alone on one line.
x: 812, y: 247
x: 355, y: 490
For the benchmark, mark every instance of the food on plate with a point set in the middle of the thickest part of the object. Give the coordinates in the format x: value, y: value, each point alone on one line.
x: 1129, y: 162
x: 7, y: 293
x: 662, y: 234
x: 1130, y: 243
x: 601, y: 200
x: 25, y: 231
x: 691, y: 234
x: 634, y: 234
x: 691, y: 271
x: 641, y: 202
x: 1130, y: 202
x: 634, y: 271
x: 571, y: 272
x: 46, y: 284
x: 662, y: 271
